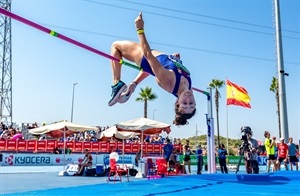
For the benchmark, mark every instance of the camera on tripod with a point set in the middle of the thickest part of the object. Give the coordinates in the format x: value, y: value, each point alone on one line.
x: 247, y: 153
x: 246, y: 131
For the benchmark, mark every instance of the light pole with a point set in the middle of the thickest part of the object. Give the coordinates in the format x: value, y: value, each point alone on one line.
x: 153, y: 113
x: 73, y: 101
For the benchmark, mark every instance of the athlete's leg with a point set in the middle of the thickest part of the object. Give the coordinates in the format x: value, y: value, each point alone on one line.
x: 133, y: 52
x: 268, y: 165
x: 122, y: 49
x: 189, y: 166
x: 278, y: 164
x: 291, y: 166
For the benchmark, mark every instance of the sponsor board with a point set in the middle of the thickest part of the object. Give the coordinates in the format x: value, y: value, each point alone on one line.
x: 11, y: 159
x: 123, y: 159
x: 232, y: 160
x: 72, y: 169
x: 60, y: 159
x: 26, y: 159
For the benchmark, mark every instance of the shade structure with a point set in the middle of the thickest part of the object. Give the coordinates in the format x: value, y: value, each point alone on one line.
x: 144, y: 125
x: 61, y: 129
x: 113, y: 132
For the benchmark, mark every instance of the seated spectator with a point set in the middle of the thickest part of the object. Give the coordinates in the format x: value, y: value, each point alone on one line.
x: 68, y: 151
x: 178, y: 141
x: 56, y: 150
x: 152, y: 139
x: 87, y: 162
x: 147, y: 139
x: 175, y: 163
x: 137, y: 158
x: 157, y: 139
x: 174, y: 141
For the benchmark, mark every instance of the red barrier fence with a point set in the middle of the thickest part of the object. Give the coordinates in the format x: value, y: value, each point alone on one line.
x: 96, y: 147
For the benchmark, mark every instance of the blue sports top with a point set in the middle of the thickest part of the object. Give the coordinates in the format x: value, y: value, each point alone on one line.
x: 168, y: 62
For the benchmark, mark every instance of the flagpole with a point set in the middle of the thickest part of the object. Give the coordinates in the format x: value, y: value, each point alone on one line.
x: 227, y: 128
x: 227, y: 118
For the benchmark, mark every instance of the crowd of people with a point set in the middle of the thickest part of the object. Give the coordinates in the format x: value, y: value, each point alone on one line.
x: 277, y: 152
x: 280, y: 153
x: 10, y: 133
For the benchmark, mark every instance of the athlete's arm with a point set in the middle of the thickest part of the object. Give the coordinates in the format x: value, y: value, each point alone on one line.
x: 157, y: 68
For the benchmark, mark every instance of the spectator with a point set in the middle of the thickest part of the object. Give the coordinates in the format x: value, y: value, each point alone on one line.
x: 175, y: 161
x: 222, y: 152
x: 174, y: 141
x: 187, y: 155
x: 147, y: 139
x: 167, y: 151
x: 179, y: 141
x: 137, y: 158
x: 250, y: 157
x: 283, y: 154
x: 292, y: 154
x: 68, y: 151
x: 270, y: 148
x: 254, y: 162
x: 87, y: 162
x: 56, y: 150
x: 199, y: 159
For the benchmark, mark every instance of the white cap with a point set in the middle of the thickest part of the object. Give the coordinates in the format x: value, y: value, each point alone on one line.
x: 281, y: 138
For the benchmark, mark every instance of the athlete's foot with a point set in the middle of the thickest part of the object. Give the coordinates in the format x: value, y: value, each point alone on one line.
x: 127, y: 93
x: 117, y: 89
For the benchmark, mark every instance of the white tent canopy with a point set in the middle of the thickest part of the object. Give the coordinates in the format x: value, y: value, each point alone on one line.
x: 58, y: 130
x: 113, y: 132
x: 144, y: 125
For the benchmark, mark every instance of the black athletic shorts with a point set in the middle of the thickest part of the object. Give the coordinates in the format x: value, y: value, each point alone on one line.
x: 293, y: 159
x: 280, y: 159
x: 271, y: 157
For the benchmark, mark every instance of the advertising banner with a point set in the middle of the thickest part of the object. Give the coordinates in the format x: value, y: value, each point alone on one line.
x: 19, y: 159
x: 60, y: 159
x: 21, y: 145
x: 27, y: 159
x: 57, y: 159
x: 126, y: 159
x: 231, y: 160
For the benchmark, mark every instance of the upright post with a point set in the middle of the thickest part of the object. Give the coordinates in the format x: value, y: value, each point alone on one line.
x: 211, y: 161
x: 72, y: 108
x: 281, y: 74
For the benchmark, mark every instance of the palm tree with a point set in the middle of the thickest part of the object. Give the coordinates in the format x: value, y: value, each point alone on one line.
x: 217, y: 84
x: 274, y: 89
x: 145, y: 96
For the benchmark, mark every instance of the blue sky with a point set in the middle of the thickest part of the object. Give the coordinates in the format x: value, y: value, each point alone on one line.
x: 216, y: 40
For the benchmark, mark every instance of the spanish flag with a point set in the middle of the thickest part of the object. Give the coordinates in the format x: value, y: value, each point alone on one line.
x: 237, y: 95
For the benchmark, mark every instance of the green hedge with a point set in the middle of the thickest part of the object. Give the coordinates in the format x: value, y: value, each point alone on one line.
x: 229, y: 159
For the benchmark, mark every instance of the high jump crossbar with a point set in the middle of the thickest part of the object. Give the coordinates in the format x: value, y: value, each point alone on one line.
x: 74, y: 42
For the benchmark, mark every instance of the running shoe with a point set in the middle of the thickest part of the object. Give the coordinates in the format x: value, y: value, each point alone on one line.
x: 117, y: 89
x: 127, y: 93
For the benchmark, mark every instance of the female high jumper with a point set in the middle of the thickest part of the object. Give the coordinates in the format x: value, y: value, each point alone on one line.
x: 168, y: 70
